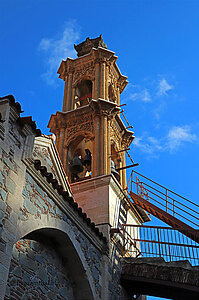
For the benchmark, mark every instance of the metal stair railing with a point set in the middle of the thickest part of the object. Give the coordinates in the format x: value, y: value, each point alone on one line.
x: 167, y: 200
x: 165, y: 242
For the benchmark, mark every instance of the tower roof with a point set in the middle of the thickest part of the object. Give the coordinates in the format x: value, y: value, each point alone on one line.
x: 86, y: 46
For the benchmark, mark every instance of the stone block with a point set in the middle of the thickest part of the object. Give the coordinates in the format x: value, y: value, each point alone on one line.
x: 17, y: 271
x: 64, y: 292
x: 50, y: 201
x: 2, y: 206
x: 39, y: 190
x: 28, y: 262
x: 51, y: 271
x: 3, y: 194
x: 35, y: 246
x: 29, y: 188
x: 51, y: 295
x: 27, y: 278
x: 1, y: 178
x: 30, y: 207
x: 43, y: 275
x: 15, y: 253
x: 43, y: 289
x: 41, y: 204
x: 52, y: 211
x: 58, y: 211
x: 2, y: 214
x: 7, y: 291
x: 11, y: 186
x: 3, y: 273
x: 8, y: 163
x: 29, y: 179
x: 25, y: 193
x: 21, y: 216
x: 39, y: 258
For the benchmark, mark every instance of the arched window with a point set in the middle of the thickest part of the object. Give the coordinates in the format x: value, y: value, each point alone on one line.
x: 83, y: 93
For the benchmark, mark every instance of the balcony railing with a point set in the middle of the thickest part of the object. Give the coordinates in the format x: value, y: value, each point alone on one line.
x: 154, y: 241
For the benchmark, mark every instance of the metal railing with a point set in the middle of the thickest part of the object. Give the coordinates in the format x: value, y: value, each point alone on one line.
x: 169, y: 201
x: 154, y: 241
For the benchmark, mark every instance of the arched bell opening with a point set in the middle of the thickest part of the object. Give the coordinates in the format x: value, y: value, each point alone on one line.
x: 79, y: 158
x: 83, y: 93
x: 111, y: 95
x: 115, y: 162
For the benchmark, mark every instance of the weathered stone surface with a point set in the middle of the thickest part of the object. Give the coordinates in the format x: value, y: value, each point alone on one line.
x: 28, y: 262
x: 30, y: 207
x: 1, y: 178
x: 3, y: 194
x: 11, y: 186
x: 2, y: 206
x: 43, y: 274
x: 8, y: 163
x: 17, y: 271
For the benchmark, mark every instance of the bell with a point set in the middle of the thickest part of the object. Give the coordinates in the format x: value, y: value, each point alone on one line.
x: 76, y: 166
x: 87, y: 159
x: 114, y: 172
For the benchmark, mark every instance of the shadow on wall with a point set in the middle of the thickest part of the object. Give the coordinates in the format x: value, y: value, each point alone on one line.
x: 45, y: 264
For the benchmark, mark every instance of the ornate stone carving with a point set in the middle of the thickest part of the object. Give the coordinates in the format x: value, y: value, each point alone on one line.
x: 82, y: 71
x: 81, y: 124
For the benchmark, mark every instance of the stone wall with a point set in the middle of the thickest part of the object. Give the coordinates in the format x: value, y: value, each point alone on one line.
x: 37, y: 272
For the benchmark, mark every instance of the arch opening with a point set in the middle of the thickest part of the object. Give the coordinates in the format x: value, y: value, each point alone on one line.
x: 83, y: 93
x: 45, y: 264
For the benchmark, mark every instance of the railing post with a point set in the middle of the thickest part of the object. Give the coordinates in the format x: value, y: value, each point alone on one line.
x: 137, y: 182
x: 173, y: 207
x: 132, y: 181
x: 166, y: 201
x: 159, y: 242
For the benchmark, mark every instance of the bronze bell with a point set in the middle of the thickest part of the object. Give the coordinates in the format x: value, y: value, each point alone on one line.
x: 76, y: 166
x: 114, y: 172
x: 87, y: 159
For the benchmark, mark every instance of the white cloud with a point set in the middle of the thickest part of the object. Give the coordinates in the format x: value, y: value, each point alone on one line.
x: 164, y: 87
x: 148, y: 145
x: 58, y: 48
x: 180, y: 135
x: 143, y: 95
x: 176, y: 138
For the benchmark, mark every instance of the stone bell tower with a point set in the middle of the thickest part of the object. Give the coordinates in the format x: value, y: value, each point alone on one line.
x: 90, y: 136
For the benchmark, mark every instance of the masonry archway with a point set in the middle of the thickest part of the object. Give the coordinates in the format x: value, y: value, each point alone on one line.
x: 47, y: 259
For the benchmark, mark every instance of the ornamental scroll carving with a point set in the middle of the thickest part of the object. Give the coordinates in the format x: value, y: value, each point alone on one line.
x: 84, y: 70
x: 80, y: 124
x: 115, y: 136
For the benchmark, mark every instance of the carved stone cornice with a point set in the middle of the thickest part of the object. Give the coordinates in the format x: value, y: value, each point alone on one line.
x: 104, y: 107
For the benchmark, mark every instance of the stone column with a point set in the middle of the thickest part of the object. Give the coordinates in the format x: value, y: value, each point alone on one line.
x: 108, y: 146
x: 118, y: 96
x: 65, y: 99
x: 97, y: 149
x: 123, y: 183
x: 97, y: 81
x: 106, y: 83
x: 103, y: 79
x: 73, y: 98
x: 104, y: 144
x: 69, y: 92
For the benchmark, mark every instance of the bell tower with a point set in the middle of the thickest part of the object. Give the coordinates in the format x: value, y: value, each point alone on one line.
x: 90, y: 136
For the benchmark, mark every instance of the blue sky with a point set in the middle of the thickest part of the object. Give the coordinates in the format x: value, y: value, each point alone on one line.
x: 157, y: 44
